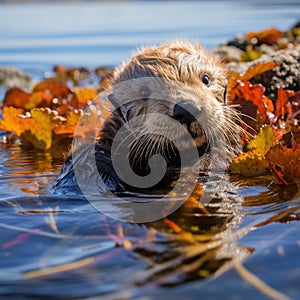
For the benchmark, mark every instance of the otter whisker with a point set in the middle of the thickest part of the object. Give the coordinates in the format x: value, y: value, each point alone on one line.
x: 125, y: 139
x: 138, y: 149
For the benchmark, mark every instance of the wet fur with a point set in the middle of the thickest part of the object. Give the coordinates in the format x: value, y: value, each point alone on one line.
x: 183, y: 66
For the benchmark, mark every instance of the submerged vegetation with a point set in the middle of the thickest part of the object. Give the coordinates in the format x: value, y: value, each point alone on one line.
x: 198, y: 241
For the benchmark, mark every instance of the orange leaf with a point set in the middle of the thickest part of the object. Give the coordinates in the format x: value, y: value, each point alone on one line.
x: 11, y: 120
x: 259, y: 68
x: 282, y: 107
x: 193, y: 201
x: 55, y: 88
x: 60, y: 73
x: 69, y: 124
x: 278, y: 133
x: 285, y: 163
x: 63, y: 74
x: 16, y: 97
x: 94, y: 116
x: 88, y: 126
x: 268, y: 36
x: 294, y: 101
x: 176, y: 228
x: 77, y: 74
x: 35, y: 128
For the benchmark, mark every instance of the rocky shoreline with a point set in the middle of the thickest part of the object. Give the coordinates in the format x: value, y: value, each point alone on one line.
x: 270, y: 45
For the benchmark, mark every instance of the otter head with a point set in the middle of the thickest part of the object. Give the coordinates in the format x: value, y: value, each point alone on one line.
x: 167, y: 97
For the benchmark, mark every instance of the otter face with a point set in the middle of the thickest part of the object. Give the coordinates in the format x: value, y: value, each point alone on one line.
x: 182, y: 82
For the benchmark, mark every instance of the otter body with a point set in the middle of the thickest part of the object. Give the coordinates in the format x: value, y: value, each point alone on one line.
x: 169, y: 103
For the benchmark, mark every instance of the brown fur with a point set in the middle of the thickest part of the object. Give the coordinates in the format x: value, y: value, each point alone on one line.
x: 176, y: 61
x: 172, y: 74
x: 182, y: 66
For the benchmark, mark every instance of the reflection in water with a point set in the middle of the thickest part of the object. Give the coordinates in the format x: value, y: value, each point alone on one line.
x: 27, y: 171
x: 63, y: 246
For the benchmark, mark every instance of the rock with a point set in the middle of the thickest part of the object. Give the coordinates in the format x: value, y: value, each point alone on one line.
x: 228, y: 53
x: 238, y: 42
x: 11, y: 77
x: 286, y: 74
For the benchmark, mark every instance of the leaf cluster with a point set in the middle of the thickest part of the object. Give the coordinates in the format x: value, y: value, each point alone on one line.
x: 273, y: 124
x: 49, y: 115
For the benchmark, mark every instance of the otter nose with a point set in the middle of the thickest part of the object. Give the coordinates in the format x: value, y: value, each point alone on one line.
x: 186, y: 112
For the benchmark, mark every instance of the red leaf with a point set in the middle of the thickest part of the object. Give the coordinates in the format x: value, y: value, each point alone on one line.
x: 16, y: 97
x: 245, y: 91
x: 282, y: 105
x: 285, y: 163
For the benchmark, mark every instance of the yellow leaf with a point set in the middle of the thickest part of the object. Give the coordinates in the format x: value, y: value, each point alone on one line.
x: 249, y: 163
x: 251, y: 55
x: 38, y: 99
x: 43, y: 120
x: 85, y: 94
x: 264, y: 140
x: 68, y: 125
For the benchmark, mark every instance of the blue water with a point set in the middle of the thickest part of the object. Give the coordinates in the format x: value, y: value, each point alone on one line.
x: 36, y: 36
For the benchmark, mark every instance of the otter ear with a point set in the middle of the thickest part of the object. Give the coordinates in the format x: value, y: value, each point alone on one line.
x: 113, y: 100
x: 225, y: 93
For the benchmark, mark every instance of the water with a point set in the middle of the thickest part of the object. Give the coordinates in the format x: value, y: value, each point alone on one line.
x: 41, y: 235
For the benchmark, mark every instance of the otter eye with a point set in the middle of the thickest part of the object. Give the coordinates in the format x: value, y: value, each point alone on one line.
x: 145, y: 93
x: 206, y: 80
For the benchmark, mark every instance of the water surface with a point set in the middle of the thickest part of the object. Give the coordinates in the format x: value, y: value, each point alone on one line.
x: 40, y: 231
x: 36, y: 36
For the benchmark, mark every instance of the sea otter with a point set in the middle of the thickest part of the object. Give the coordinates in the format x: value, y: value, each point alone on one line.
x: 170, y: 112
